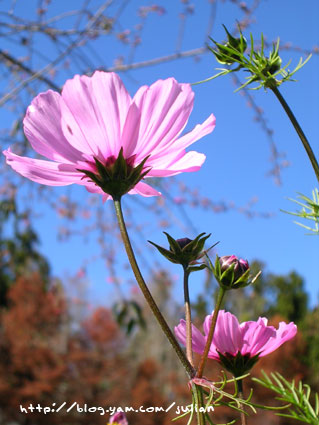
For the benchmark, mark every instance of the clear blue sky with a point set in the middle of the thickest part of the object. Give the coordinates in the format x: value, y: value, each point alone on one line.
x: 237, y: 151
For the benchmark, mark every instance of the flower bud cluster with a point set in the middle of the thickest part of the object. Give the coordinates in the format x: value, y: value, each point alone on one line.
x: 261, y: 68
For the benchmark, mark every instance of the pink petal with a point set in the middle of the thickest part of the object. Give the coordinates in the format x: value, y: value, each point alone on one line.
x: 190, y: 161
x: 130, y: 131
x: 44, y: 172
x: 42, y: 127
x: 93, y: 188
x: 227, y: 336
x: 197, y: 133
x: 144, y: 190
x: 176, y: 147
x: 165, y: 108
x: 80, y: 122
x: 284, y: 333
x: 113, y: 101
x: 255, y: 336
x: 198, y: 340
x: 118, y: 418
x: 94, y: 113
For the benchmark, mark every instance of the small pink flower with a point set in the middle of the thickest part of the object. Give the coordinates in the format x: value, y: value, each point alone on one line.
x: 248, y: 340
x: 95, y: 117
x: 118, y: 418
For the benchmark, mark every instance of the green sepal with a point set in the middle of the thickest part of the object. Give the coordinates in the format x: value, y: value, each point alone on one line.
x: 243, y: 280
x: 102, y: 170
x: 191, y: 269
x: 93, y: 177
x: 238, y: 365
x: 240, y: 43
x: 165, y: 252
x: 119, y: 168
x: 136, y: 172
x: 217, y: 268
x: 197, y: 245
x: 117, y: 178
x: 231, y: 51
x: 227, y: 278
x: 173, y: 244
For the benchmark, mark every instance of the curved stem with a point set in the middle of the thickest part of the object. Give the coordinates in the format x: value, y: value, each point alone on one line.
x: 298, y: 129
x: 188, y: 319
x: 147, y: 295
x: 241, y: 395
x: 203, y: 359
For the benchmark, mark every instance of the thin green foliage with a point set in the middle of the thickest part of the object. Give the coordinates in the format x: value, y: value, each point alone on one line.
x: 309, y: 210
x: 302, y: 405
x: 216, y: 396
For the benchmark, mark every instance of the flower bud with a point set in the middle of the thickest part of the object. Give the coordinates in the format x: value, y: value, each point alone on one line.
x: 240, y: 265
x: 232, y: 272
x: 232, y: 50
x: 183, y: 242
x: 184, y: 251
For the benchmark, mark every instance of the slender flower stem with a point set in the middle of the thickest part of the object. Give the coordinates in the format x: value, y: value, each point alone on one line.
x: 209, y: 340
x: 241, y: 395
x: 199, y: 402
x: 147, y: 295
x: 188, y: 318
x: 298, y: 129
x: 196, y: 389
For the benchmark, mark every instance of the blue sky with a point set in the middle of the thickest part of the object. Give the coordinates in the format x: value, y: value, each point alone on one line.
x: 237, y: 151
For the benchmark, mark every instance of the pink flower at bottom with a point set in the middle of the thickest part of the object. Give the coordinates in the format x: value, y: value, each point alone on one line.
x: 238, y: 345
x: 118, y: 418
x: 95, y: 117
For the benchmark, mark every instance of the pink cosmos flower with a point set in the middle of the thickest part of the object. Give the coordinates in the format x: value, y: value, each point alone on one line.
x: 238, y: 345
x: 118, y: 418
x: 95, y: 117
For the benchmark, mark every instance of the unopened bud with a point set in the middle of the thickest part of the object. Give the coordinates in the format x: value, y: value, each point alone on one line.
x: 232, y: 50
x: 232, y: 272
x: 240, y: 265
x: 184, y: 251
x: 183, y: 242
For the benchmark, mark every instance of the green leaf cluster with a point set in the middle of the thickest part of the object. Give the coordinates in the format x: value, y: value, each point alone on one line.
x: 267, y: 71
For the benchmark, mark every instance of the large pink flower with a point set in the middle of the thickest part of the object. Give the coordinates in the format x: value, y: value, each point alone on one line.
x: 94, y: 117
x: 233, y: 340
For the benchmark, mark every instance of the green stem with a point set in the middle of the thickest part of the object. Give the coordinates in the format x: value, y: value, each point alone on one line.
x: 199, y: 402
x: 196, y: 389
x: 188, y: 319
x: 298, y: 129
x: 147, y: 295
x: 241, y: 406
x: 209, y: 340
